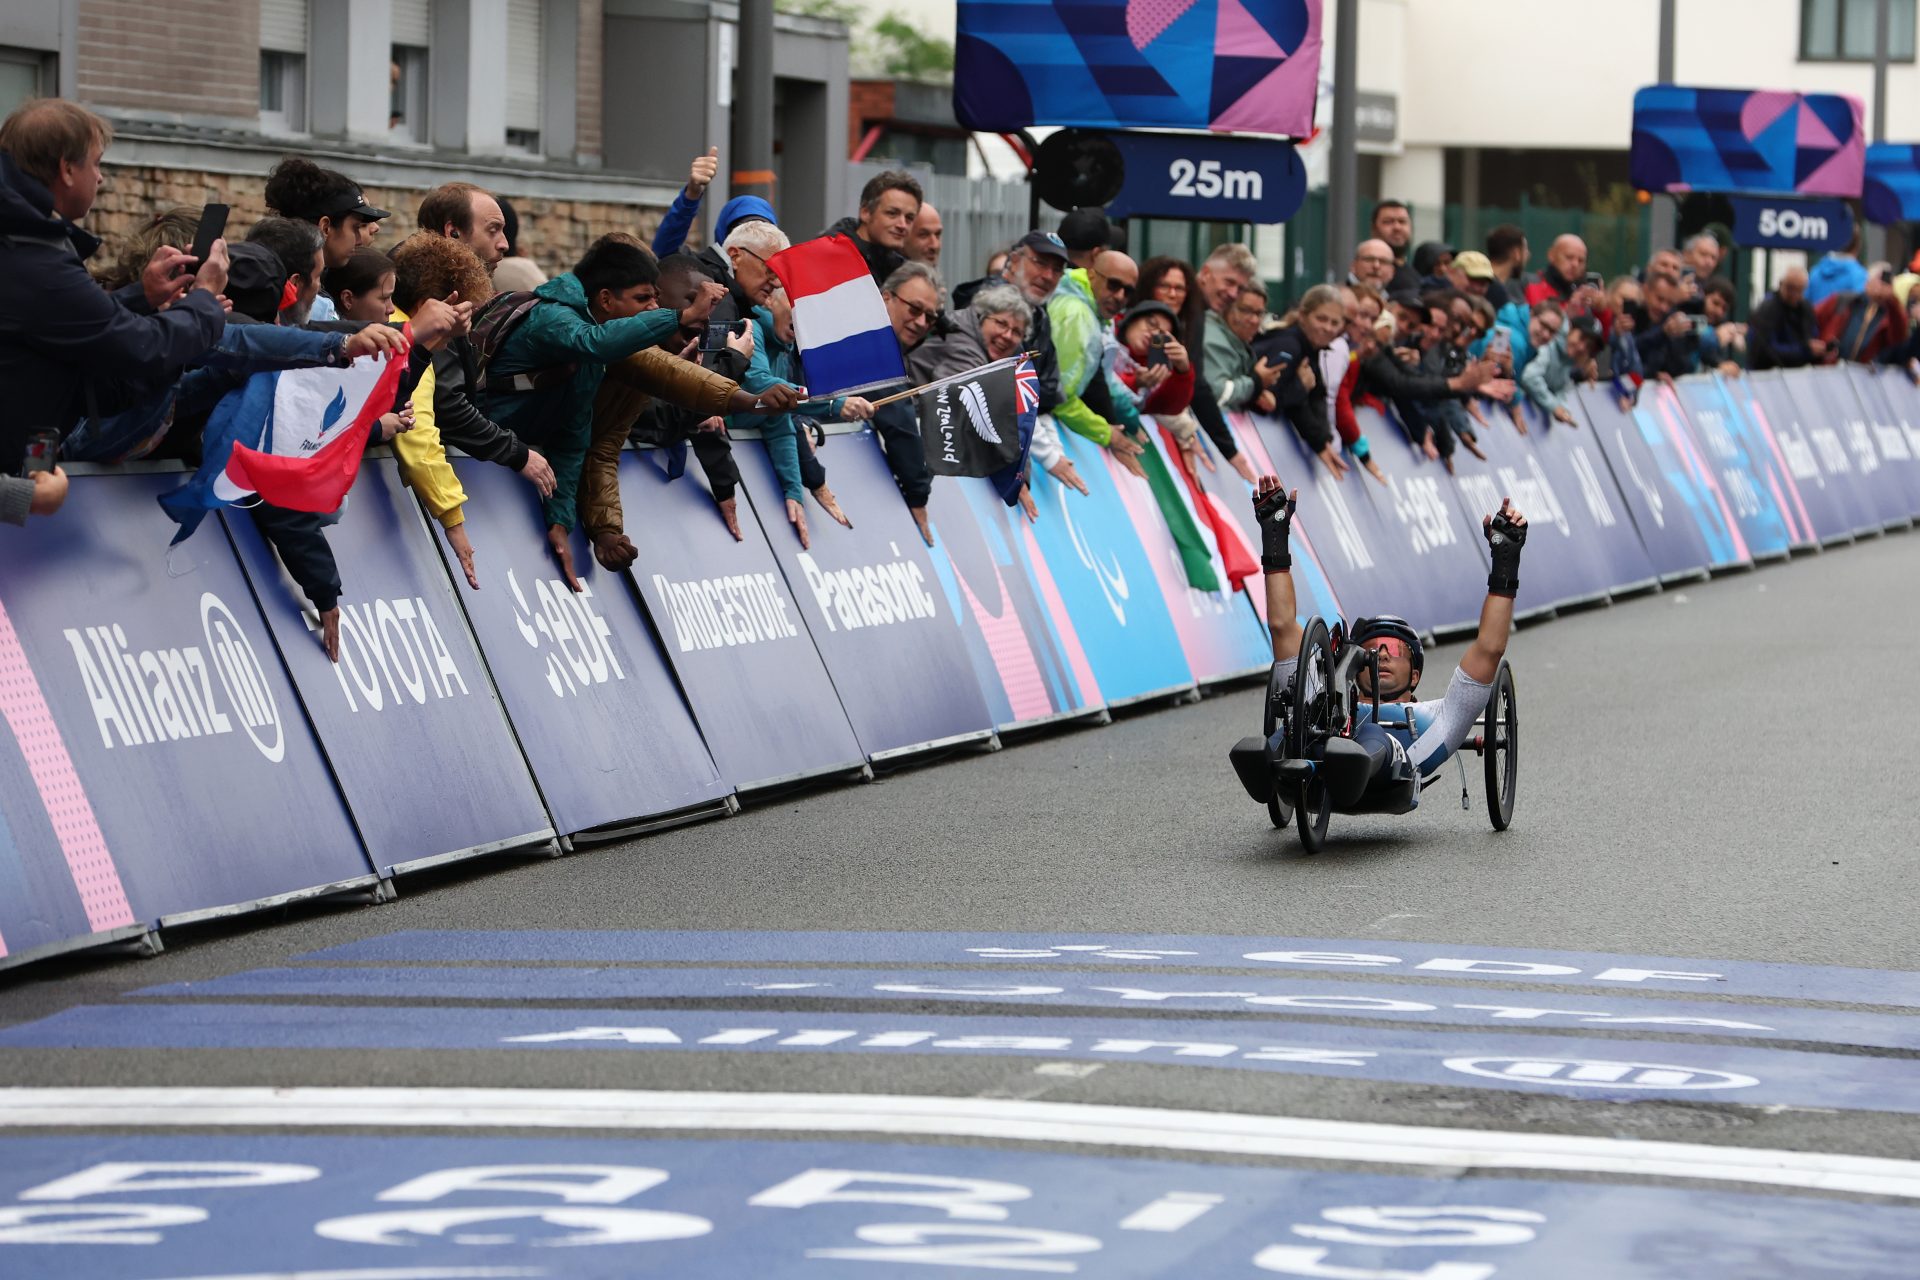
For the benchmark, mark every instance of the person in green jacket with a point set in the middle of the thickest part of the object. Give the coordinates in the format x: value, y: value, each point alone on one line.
x: 776, y: 360
x: 542, y: 380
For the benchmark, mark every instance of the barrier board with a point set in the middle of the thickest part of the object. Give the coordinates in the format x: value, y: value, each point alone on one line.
x: 1219, y: 632
x: 1313, y: 591
x: 1812, y: 462
x: 173, y: 775
x: 408, y: 717
x: 1895, y: 436
x: 1566, y: 563
x: 1828, y: 395
x: 1572, y: 456
x: 611, y: 744
x: 1101, y: 572
x: 1438, y: 551
x: 1727, y: 440
x: 1681, y: 525
x: 871, y: 598
x: 1026, y: 653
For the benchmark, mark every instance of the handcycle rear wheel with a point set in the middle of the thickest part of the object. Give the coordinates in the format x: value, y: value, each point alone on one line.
x: 1309, y: 727
x: 1500, y: 753
x: 1279, y: 810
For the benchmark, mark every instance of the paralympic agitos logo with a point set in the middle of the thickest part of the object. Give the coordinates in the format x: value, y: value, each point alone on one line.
x: 140, y: 697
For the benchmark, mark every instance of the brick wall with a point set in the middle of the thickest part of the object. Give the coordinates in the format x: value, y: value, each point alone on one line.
x: 587, y: 80
x: 554, y: 233
x: 186, y: 57
x: 866, y: 100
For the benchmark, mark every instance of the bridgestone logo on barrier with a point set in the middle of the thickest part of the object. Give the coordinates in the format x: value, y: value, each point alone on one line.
x: 147, y: 696
x: 870, y: 595
x: 716, y: 613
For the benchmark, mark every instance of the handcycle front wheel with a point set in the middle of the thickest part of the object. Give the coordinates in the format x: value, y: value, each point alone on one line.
x: 1310, y: 726
x: 1279, y: 809
x: 1500, y: 752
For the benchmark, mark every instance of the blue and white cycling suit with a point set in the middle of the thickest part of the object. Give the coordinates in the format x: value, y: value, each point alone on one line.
x: 1425, y: 734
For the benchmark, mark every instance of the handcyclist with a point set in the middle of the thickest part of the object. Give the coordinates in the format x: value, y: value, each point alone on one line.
x: 1410, y: 739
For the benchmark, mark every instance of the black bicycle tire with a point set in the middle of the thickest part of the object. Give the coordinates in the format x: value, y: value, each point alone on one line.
x: 1279, y: 811
x: 1314, y: 807
x: 1501, y: 753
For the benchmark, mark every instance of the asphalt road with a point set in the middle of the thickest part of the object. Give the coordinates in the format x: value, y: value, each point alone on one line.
x: 1720, y: 773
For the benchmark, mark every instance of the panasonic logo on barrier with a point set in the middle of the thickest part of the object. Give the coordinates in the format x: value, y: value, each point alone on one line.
x: 869, y: 595
x: 715, y: 613
x: 395, y: 641
x: 147, y: 696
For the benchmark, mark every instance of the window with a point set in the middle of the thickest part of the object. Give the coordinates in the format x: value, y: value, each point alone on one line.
x: 283, y: 66
x: 24, y: 73
x: 524, y: 23
x: 407, y: 113
x: 1843, y: 30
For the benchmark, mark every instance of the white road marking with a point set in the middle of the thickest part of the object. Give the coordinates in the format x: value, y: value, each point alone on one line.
x: 388, y: 1273
x: 1453, y: 1150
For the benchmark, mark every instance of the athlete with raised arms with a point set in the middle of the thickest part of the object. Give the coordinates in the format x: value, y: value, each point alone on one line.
x: 1411, y: 739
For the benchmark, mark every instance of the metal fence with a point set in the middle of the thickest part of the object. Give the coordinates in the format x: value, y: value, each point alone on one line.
x: 981, y: 215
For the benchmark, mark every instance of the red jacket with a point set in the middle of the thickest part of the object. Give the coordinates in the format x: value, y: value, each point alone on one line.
x: 1850, y: 334
x: 1170, y: 397
x: 1343, y: 420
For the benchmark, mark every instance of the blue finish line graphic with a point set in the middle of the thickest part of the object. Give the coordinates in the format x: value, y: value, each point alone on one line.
x: 1121, y: 990
x: 1380, y: 959
x: 219, y: 1207
x: 1607, y: 1070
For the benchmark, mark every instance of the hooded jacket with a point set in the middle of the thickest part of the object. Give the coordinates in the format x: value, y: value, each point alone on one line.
x: 1835, y: 273
x: 559, y: 418
x: 60, y: 332
x: 1079, y: 341
x: 881, y: 261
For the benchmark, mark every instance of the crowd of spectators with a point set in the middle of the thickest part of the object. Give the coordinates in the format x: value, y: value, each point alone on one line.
x: 117, y: 355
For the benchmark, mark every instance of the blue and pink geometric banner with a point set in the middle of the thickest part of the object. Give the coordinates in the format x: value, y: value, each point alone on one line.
x: 1893, y: 182
x: 1757, y: 141
x: 1247, y: 66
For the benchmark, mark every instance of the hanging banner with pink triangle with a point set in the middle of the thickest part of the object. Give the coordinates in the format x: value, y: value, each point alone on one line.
x: 1749, y: 141
x: 1242, y: 66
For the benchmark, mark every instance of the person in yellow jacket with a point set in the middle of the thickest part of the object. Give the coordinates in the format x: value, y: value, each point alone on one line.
x: 423, y: 458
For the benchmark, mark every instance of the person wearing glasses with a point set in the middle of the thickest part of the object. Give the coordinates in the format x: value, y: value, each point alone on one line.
x: 1407, y: 739
x: 1080, y: 318
x: 912, y: 295
x: 1372, y: 264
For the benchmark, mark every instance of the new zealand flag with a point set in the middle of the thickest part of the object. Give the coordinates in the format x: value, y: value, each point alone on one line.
x: 972, y: 422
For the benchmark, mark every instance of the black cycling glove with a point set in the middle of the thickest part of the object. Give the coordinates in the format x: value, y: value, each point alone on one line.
x: 1275, y: 514
x: 1505, y: 538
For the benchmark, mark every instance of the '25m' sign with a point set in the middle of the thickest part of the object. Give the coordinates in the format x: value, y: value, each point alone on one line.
x: 1208, y: 178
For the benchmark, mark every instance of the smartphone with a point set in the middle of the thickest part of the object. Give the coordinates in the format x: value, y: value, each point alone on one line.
x: 213, y: 224
x: 1501, y: 341
x: 715, y: 338
x: 1595, y: 279
x: 43, y: 452
x: 1157, y: 349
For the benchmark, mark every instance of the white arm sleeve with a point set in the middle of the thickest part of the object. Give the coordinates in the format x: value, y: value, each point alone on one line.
x: 1458, y: 712
x: 1046, y: 443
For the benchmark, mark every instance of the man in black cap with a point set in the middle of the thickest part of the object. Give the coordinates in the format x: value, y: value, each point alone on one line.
x: 300, y: 189
x: 1034, y: 266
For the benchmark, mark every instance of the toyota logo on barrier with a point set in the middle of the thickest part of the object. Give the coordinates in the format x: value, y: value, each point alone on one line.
x: 1581, y: 1074
x: 243, y: 677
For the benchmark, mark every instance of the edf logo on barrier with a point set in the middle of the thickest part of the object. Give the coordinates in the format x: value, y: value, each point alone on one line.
x: 582, y: 640
x: 146, y: 696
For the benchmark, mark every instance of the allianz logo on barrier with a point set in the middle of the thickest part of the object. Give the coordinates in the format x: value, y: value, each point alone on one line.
x: 394, y: 640
x: 869, y: 595
x: 718, y: 613
x: 147, y: 696
x: 582, y: 642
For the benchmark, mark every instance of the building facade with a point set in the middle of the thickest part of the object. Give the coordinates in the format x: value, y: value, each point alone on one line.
x: 584, y: 113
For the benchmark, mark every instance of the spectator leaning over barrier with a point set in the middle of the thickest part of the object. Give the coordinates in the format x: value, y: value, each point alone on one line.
x: 471, y: 218
x: 1033, y: 266
x: 1391, y: 375
x: 1669, y: 339
x: 994, y: 327
x: 1862, y: 327
x: 1373, y: 263
x: 515, y: 271
x: 1716, y: 308
x: 1508, y: 251
x: 888, y: 205
x: 1476, y: 276
x: 1623, y: 353
x: 361, y: 288
x: 671, y: 235
x: 1433, y: 262
x: 62, y: 339
x: 1554, y: 369
x: 1174, y: 282
x: 1564, y: 278
x: 776, y: 364
x: 912, y: 295
x: 1782, y: 332
x: 427, y: 266
x: 543, y: 375
x: 1240, y: 382
x: 1838, y: 272
x: 334, y: 203
x: 1702, y: 258
x: 1393, y: 224
x: 1297, y: 347
x: 1079, y: 322
x: 923, y: 238
x: 1361, y: 341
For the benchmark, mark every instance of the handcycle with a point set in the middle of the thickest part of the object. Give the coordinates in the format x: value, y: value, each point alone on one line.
x: 1320, y: 769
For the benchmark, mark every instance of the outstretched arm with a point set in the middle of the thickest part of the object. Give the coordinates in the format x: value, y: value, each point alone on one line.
x: 1273, y: 507
x: 1506, y: 532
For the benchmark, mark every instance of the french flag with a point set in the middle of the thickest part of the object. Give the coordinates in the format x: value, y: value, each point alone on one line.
x: 293, y: 437
x: 840, y: 324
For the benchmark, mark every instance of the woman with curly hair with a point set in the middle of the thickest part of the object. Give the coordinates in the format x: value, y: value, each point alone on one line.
x: 331, y: 201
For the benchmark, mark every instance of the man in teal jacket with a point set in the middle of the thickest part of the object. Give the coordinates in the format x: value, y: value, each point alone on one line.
x: 542, y: 380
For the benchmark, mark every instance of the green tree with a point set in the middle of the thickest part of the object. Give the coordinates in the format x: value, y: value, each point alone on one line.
x: 907, y: 54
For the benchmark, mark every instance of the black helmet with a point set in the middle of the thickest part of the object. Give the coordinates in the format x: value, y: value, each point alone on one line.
x: 1387, y: 624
